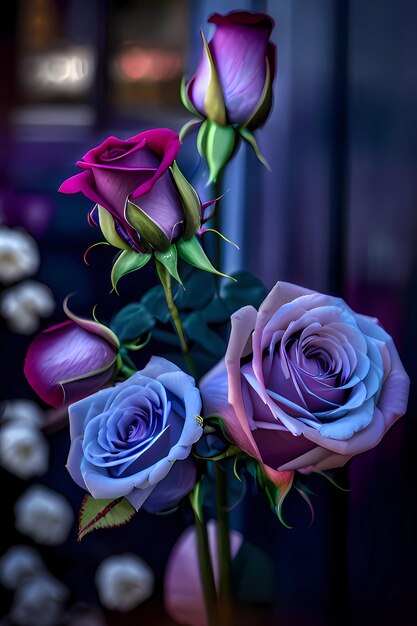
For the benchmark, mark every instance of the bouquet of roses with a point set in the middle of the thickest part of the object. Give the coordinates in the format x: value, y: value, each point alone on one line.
x: 262, y: 386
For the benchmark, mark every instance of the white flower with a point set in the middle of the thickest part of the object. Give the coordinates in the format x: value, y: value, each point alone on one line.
x: 123, y: 582
x: 39, y: 602
x: 19, y: 255
x: 44, y: 515
x: 23, y: 305
x: 19, y: 564
x: 22, y: 410
x: 24, y: 450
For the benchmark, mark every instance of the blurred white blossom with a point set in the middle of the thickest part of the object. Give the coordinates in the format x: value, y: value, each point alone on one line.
x: 19, y: 255
x: 23, y: 306
x: 24, y: 450
x: 18, y: 565
x: 123, y: 582
x: 39, y: 602
x: 44, y: 515
x: 22, y: 410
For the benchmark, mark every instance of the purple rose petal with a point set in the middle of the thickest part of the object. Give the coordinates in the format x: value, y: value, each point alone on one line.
x: 319, y: 383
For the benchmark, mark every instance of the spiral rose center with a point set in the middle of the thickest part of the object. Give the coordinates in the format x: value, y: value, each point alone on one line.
x: 311, y: 356
x: 112, y: 153
x: 138, y: 428
x: 308, y: 369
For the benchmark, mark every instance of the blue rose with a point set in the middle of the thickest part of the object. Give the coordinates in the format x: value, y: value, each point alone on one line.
x: 134, y: 439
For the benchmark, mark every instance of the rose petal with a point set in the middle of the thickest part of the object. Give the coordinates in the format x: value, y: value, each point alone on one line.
x: 183, y: 593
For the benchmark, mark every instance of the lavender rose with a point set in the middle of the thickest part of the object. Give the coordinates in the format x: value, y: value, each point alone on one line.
x: 134, y: 439
x: 143, y: 200
x: 244, y: 60
x: 69, y: 361
x: 306, y: 383
x: 232, y: 87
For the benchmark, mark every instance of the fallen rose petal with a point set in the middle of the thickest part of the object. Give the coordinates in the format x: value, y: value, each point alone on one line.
x: 183, y: 593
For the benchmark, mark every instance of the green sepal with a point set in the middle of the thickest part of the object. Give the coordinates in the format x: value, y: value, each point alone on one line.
x: 220, y: 144
x: 202, y: 138
x: 275, y: 494
x: 148, y: 230
x: 187, y: 128
x: 191, y: 251
x: 190, y: 202
x: 94, y: 245
x: 94, y: 327
x: 108, y: 229
x: 138, y: 344
x: 264, y: 105
x: 331, y: 480
x: 169, y: 259
x: 216, y: 232
x: 216, y: 422
x: 232, y: 451
x: 249, y: 137
x: 128, y: 261
x: 196, y: 499
x: 214, y: 100
x: 186, y: 101
x: 103, y: 514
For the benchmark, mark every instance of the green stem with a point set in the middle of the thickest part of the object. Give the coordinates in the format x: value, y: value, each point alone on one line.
x: 223, y: 547
x: 218, y: 190
x: 165, y: 278
x: 206, y: 573
x: 127, y: 371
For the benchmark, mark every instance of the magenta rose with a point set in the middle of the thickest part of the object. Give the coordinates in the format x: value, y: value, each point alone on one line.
x: 138, y: 189
x: 244, y: 60
x: 306, y: 383
x: 71, y: 360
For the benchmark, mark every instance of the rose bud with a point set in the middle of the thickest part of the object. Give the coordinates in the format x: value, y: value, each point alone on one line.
x: 232, y: 87
x: 71, y: 360
x: 144, y: 202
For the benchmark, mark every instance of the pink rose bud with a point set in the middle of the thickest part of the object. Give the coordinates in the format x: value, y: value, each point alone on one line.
x: 72, y: 360
x: 232, y: 84
x: 143, y: 201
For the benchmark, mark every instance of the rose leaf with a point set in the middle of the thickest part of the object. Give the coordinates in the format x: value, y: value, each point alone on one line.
x: 103, y: 514
x: 132, y: 322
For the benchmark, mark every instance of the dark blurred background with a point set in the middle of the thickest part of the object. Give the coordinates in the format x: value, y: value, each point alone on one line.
x: 337, y: 214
